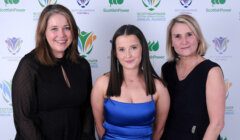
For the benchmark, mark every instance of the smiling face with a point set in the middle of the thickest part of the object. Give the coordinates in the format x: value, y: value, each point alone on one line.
x: 184, y: 42
x: 58, y: 34
x: 129, y: 51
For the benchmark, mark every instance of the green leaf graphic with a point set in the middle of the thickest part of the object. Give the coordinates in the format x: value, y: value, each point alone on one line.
x: 111, y: 2
x: 155, y: 46
x: 15, y: 1
x: 222, y: 1
x: 119, y: 1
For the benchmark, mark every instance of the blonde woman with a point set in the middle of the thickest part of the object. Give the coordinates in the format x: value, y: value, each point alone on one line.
x: 195, y: 84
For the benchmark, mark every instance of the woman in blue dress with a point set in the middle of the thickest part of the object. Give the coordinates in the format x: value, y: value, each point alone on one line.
x: 130, y: 102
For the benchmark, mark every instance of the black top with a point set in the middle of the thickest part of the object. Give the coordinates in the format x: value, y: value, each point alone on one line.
x: 45, y: 108
x: 188, y: 117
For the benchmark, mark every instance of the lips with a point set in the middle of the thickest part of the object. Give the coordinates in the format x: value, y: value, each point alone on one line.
x: 61, y: 41
x: 129, y: 61
x: 185, y: 47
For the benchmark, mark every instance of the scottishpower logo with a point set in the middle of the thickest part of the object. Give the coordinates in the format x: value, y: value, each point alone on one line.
x: 85, y: 43
x: 11, y: 1
x: 218, y: 1
x: 219, y: 8
x: 14, y: 45
x: 115, y: 2
x: 44, y: 3
x: 10, y: 6
x: 151, y: 4
x: 83, y: 3
x: 5, y: 88
x: 153, y: 46
x: 186, y: 3
x: 116, y: 8
x: 220, y: 44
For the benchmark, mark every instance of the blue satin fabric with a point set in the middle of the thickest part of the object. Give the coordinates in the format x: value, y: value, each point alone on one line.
x: 128, y: 121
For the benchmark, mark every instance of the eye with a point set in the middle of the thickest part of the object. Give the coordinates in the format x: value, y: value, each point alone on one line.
x: 189, y: 34
x: 67, y: 28
x: 121, y: 49
x: 134, y: 47
x: 176, y: 36
x: 54, y: 29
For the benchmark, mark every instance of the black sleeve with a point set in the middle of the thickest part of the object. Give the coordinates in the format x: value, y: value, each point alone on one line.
x: 88, y: 121
x: 23, y: 91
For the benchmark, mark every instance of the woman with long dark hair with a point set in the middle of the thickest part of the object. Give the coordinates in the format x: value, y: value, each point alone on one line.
x: 130, y: 102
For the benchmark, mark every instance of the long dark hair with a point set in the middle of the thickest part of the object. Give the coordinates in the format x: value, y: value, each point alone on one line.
x: 116, y: 71
x: 43, y: 50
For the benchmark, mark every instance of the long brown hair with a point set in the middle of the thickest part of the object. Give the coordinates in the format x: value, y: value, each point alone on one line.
x: 43, y: 50
x: 116, y: 72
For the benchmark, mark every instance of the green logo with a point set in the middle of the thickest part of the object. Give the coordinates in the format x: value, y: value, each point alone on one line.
x: 218, y: 1
x: 44, y: 3
x: 223, y: 138
x: 11, y: 1
x: 151, y: 4
x: 153, y: 46
x: 85, y: 43
x: 115, y: 2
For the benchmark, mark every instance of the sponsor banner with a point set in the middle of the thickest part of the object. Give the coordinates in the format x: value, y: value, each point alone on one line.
x: 97, y: 22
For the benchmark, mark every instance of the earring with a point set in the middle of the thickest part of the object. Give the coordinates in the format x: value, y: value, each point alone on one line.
x: 117, y: 66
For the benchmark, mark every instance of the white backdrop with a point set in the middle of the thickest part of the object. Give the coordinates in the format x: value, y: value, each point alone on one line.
x: 99, y: 19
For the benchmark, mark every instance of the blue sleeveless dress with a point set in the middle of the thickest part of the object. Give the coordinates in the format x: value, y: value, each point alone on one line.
x: 128, y: 121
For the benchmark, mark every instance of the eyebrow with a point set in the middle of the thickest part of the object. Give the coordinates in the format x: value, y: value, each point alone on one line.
x: 135, y: 43
x: 58, y: 26
x: 179, y: 33
x: 187, y: 32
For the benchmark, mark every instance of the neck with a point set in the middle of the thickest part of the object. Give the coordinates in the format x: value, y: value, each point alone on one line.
x: 190, y: 60
x: 131, y: 75
x: 186, y: 64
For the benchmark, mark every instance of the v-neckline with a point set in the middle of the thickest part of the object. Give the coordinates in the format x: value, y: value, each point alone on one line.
x: 190, y: 73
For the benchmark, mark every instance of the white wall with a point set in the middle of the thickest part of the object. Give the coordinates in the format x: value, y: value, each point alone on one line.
x: 219, y: 20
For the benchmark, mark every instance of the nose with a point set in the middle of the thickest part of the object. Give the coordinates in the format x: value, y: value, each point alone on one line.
x: 62, y: 32
x: 184, y: 40
x: 128, y: 53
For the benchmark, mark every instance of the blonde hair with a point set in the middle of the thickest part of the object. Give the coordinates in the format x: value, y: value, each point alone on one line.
x: 194, y: 26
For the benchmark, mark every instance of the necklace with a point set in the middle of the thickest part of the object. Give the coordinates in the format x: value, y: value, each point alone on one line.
x: 183, y: 70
